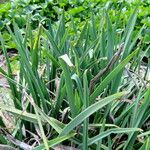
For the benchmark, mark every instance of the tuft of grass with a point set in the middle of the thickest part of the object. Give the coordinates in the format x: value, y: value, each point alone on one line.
x: 53, y: 101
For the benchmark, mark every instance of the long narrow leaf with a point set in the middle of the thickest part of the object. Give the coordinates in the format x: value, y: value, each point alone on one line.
x: 88, y: 111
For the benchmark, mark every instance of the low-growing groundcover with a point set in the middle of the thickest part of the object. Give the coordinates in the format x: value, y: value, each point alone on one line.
x: 86, y: 89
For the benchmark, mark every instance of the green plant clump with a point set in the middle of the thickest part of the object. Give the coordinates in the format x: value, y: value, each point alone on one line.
x: 85, y: 87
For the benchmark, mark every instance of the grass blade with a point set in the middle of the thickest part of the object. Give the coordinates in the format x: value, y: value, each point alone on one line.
x: 88, y: 111
x: 54, y: 142
x: 85, y: 105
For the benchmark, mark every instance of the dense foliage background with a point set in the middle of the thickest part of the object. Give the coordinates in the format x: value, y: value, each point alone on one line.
x: 80, y: 10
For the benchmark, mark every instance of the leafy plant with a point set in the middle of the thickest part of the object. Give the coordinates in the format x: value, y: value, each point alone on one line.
x: 54, y: 97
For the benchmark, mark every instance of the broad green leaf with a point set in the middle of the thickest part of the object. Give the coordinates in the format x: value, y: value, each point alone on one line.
x: 35, y: 51
x: 110, y: 131
x: 53, y: 142
x: 89, y: 111
x: 85, y: 105
x: 110, y: 36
